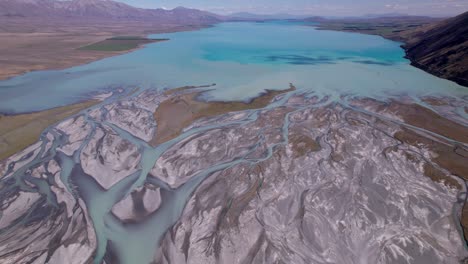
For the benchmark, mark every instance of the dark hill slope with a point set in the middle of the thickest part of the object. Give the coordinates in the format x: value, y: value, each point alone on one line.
x: 442, y: 49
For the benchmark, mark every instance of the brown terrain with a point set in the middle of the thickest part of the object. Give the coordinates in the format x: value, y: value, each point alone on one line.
x: 438, y: 47
x: 398, y: 28
x: 50, y: 34
x: 442, y: 49
x: 449, y: 156
x: 445, y: 140
x: 182, y: 110
x: 20, y: 131
x: 61, y: 47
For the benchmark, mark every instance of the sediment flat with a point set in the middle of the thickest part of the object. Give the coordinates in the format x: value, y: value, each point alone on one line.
x: 256, y: 176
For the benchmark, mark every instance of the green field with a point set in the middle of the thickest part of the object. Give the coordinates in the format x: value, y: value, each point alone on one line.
x: 120, y: 43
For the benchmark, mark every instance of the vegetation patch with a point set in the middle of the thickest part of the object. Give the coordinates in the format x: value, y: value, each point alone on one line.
x: 17, y: 132
x: 438, y: 176
x: 451, y: 158
x: 425, y: 118
x: 120, y: 43
x: 176, y: 113
x: 303, y: 145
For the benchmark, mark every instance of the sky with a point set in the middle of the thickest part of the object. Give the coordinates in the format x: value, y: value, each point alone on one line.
x: 316, y: 7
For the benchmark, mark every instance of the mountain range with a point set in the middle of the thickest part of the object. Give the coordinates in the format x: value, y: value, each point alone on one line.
x: 252, y: 16
x: 101, y: 9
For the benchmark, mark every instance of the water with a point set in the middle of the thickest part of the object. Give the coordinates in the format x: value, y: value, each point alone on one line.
x: 242, y: 59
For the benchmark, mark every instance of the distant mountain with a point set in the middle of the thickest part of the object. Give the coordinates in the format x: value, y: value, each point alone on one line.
x: 101, y: 9
x: 316, y: 19
x: 384, y: 15
x: 251, y: 16
x: 442, y: 49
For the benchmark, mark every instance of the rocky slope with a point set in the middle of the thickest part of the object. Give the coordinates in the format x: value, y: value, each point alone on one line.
x: 442, y: 49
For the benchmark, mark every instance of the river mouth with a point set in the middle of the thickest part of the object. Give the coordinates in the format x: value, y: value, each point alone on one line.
x: 361, y: 159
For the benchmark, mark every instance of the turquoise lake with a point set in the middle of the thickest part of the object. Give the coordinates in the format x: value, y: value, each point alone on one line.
x: 242, y: 59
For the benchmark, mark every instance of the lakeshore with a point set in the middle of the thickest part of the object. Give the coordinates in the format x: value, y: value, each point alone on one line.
x: 58, y: 45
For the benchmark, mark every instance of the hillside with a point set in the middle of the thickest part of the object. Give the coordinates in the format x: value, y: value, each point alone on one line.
x: 442, y: 49
x: 435, y: 45
x: 398, y: 28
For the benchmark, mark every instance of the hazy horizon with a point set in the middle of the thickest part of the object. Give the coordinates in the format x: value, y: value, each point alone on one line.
x: 315, y: 7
